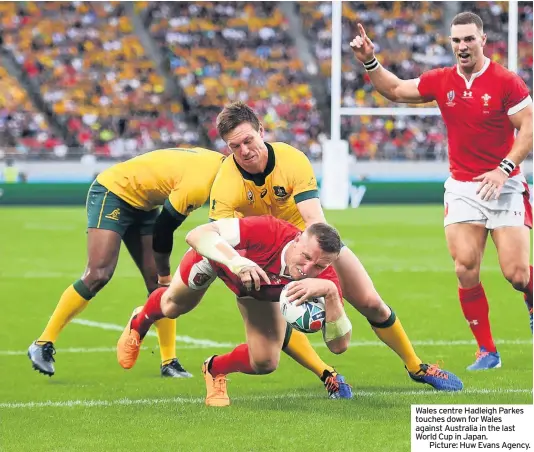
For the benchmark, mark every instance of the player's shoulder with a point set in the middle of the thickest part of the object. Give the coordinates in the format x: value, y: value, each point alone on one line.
x: 268, y: 221
x: 446, y: 71
x: 286, y: 153
x: 228, y: 179
x: 499, y: 71
x: 228, y: 168
x: 279, y: 147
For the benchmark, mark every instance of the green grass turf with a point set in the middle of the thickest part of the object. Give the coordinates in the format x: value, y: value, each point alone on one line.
x: 43, y: 251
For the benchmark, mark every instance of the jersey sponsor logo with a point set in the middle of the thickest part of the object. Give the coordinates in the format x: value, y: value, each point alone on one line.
x: 114, y: 215
x: 200, y: 279
x: 250, y: 196
x: 486, y: 98
x: 467, y: 95
x: 279, y: 191
x: 213, y: 203
x: 263, y: 193
x: 450, y: 97
x: 312, y: 182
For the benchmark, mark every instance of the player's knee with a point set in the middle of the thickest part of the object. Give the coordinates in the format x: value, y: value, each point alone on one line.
x: 338, y: 347
x: 518, y: 276
x: 468, y: 273
x: 265, y: 365
x: 169, y: 308
x: 96, y: 278
x: 370, y: 301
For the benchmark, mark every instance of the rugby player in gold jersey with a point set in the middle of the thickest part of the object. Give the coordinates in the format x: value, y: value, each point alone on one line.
x: 277, y: 179
x: 123, y: 206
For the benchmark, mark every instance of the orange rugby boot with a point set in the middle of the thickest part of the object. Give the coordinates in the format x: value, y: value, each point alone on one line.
x: 129, y: 344
x: 216, y: 394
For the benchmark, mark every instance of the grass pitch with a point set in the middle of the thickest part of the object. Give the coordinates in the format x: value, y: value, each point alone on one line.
x: 93, y: 404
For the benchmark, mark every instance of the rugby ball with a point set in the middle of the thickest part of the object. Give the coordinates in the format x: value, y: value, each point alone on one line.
x: 309, y: 317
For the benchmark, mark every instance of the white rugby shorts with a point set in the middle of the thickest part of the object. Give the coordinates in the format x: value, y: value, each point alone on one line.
x: 463, y: 205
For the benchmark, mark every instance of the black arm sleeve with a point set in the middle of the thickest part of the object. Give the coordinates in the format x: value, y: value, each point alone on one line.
x: 166, y: 223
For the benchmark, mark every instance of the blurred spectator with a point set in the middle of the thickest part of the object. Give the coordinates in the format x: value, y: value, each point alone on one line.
x: 227, y: 51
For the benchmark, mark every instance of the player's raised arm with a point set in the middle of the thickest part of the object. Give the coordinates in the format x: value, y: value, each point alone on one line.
x: 216, y: 240
x: 385, y: 82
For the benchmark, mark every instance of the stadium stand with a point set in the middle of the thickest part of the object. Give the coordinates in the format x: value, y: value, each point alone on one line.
x: 227, y: 51
x: 93, y: 71
x: 96, y: 77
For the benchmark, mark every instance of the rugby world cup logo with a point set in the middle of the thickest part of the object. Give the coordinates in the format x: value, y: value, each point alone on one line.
x: 450, y: 98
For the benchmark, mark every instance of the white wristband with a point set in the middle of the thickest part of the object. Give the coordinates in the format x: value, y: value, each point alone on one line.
x: 338, y: 328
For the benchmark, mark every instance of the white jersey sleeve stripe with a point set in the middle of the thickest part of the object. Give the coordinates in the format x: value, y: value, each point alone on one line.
x: 517, y: 108
x: 229, y: 230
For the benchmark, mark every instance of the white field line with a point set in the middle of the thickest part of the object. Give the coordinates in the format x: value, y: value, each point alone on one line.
x: 200, y: 400
x: 202, y: 343
x: 184, y: 339
x: 93, y: 350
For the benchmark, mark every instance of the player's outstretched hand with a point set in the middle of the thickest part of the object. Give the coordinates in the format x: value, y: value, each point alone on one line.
x: 363, y: 47
x: 251, y: 277
x: 491, y: 184
x: 304, y: 289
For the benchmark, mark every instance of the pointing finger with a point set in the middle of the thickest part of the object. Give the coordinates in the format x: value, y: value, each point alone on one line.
x: 361, y: 31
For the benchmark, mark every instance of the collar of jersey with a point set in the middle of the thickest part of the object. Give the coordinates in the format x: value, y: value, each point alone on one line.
x: 469, y: 83
x: 283, y: 266
x: 259, y: 179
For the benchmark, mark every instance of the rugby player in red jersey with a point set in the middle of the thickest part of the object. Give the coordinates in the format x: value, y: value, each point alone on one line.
x: 482, y: 104
x: 255, y: 257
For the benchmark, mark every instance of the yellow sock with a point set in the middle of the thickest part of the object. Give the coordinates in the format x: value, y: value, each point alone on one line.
x: 166, y: 329
x: 394, y: 336
x: 71, y: 303
x: 300, y: 349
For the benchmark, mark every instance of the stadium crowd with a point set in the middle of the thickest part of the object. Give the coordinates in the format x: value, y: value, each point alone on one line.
x: 91, y: 69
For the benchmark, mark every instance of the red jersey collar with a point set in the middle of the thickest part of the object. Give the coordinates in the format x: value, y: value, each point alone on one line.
x: 469, y: 82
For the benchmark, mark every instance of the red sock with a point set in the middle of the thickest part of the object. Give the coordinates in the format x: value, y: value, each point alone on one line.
x: 528, y: 291
x: 150, y: 313
x: 238, y: 360
x: 476, y: 311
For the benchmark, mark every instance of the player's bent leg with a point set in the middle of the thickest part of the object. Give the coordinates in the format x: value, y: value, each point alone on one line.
x: 513, y: 249
x: 138, y: 240
x: 358, y: 288
x: 355, y: 283
x: 359, y: 291
x: 265, y: 330
x: 103, y: 251
x: 297, y: 346
x: 466, y: 243
x: 140, y: 248
x: 164, y: 302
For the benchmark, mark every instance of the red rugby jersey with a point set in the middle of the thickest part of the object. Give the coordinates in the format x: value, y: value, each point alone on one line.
x: 475, y: 113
